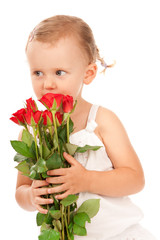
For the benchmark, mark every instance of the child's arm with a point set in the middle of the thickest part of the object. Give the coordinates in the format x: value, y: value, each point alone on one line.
x: 28, y: 192
x: 127, y: 176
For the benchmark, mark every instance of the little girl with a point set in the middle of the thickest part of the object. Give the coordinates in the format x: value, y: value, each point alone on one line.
x: 62, y: 55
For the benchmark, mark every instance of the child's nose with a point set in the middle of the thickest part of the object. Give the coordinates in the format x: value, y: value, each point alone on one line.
x: 49, y: 83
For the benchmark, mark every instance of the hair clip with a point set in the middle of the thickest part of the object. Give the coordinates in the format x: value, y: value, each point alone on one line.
x: 104, y: 64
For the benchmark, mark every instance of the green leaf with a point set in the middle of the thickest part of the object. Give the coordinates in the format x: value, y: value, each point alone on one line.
x: 65, y: 116
x: 56, y: 214
x: 70, y: 126
x: 57, y: 225
x: 48, y: 219
x: 47, y: 139
x: 24, y: 168
x: 54, y: 106
x: 41, y: 166
x: 45, y: 226
x: 49, y: 234
x: 54, y: 161
x: 56, y: 203
x: 32, y: 150
x: 27, y: 137
x: 33, y: 174
x: 80, y: 231
x: 71, y: 236
x: 45, y: 151
x: 86, y: 148
x: 71, y: 148
x: 40, y: 218
x: 22, y: 148
x: 81, y: 218
x: 62, y: 150
x: 19, y: 158
x: 73, y: 206
x: 44, y: 175
x: 55, y: 142
x: 69, y: 200
x: 90, y: 206
x: 70, y: 227
x: 62, y: 133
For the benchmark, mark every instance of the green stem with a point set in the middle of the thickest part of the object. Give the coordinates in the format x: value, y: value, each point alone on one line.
x: 68, y: 215
x: 68, y: 118
x: 40, y: 140
x: 50, y: 130
x: 35, y: 140
x: 62, y: 220
x: 48, y: 204
x: 26, y: 128
x: 68, y: 128
x: 65, y: 219
x: 55, y: 129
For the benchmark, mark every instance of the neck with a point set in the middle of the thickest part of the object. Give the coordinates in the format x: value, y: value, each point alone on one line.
x: 80, y: 114
x: 80, y: 107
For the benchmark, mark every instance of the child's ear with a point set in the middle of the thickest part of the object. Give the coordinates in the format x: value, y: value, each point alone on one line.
x: 91, y: 72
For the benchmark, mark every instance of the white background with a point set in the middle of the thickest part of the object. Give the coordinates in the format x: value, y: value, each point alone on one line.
x: 127, y: 31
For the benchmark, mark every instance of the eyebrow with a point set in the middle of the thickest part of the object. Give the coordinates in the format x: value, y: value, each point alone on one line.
x: 53, y: 69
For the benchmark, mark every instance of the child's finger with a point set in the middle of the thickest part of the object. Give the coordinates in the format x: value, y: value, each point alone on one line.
x: 56, y: 180
x: 40, y: 191
x: 57, y: 172
x: 41, y: 210
x: 69, y: 158
x: 39, y: 183
x: 63, y: 195
x: 43, y: 201
x: 58, y: 189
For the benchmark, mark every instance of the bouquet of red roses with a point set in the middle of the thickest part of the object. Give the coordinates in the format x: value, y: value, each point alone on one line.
x: 44, y: 139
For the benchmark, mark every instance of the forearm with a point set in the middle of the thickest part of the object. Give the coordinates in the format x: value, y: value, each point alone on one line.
x: 115, y: 183
x: 23, y: 197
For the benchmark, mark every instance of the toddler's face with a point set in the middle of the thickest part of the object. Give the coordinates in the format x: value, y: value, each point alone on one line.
x: 60, y: 68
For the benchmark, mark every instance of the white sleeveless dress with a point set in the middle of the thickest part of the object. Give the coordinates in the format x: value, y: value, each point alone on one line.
x: 118, y: 217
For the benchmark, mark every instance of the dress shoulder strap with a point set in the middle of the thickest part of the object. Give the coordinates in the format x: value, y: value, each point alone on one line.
x: 91, y: 123
x: 93, y: 113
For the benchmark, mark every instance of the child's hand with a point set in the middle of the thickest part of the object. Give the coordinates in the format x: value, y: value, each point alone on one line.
x: 72, y: 179
x: 36, y: 190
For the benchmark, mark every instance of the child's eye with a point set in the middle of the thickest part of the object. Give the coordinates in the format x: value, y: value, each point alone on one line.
x: 38, y: 73
x: 60, y: 72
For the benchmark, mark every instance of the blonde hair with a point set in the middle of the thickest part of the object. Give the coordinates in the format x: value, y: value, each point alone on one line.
x: 52, y: 29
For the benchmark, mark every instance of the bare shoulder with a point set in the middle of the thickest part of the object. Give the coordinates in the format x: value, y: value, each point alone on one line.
x: 115, y: 139
x: 108, y: 121
x: 112, y: 132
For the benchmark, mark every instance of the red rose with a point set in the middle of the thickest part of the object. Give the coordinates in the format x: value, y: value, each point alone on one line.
x: 15, y: 120
x: 28, y: 116
x: 59, y: 117
x: 47, y: 118
x: 19, y: 117
x: 48, y: 100
x: 67, y: 103
x: 33, y: 118
x: 31, y: 105
x: 37, y: 116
